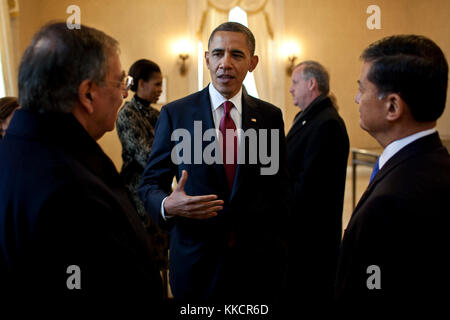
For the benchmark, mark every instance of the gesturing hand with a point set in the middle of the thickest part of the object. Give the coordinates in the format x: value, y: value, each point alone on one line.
x: 178, y: 203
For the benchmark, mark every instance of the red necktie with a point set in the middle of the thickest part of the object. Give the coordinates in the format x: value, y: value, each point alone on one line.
x: 229, y: 145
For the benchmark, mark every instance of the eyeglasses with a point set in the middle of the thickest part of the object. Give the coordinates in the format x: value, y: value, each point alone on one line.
x: 126, y: 83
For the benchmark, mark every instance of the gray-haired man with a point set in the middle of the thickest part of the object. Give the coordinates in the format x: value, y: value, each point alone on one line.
x: 67, y: 228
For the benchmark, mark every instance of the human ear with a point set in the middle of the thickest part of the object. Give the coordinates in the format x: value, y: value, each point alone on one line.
x: 207, y: 58
x: 253, y: 63
x: 85, y: 95
x: 312, y: 83
x: 140, y: 83
x: 395, y: 107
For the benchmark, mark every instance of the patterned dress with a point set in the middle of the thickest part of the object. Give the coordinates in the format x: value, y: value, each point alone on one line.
x: 136, y: 129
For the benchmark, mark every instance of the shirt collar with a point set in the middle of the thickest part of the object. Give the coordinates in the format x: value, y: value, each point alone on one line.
x: 308, y: 109
x: 397, y: 145
x: 316, y: 100
x: 217, y: 99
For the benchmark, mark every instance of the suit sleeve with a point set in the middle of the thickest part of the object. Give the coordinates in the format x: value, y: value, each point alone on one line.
x: 160, y: 170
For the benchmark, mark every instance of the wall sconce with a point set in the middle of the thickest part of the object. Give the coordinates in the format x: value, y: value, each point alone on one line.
x: 291, y: 51
x: 183, y: 68
x: 291, y: 64
x: 182, y: 49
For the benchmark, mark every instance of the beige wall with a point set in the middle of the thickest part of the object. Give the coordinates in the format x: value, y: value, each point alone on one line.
x: 332, y: 32
x: 335, y: 33
x: 144, y: 29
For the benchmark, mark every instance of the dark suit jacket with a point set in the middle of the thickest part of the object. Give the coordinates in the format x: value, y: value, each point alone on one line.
x: 62, y: 203
x: 202, y: 267
x: 317, y: 148
x: 401, y: 224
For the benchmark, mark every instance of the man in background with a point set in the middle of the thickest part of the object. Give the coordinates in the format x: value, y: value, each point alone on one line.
x: 317, y: 148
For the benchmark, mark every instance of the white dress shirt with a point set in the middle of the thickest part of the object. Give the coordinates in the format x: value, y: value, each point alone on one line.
x: 218, y: 111
x: 397, y: 145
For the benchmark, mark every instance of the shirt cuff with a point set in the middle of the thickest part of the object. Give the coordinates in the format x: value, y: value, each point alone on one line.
x: 163, y: 214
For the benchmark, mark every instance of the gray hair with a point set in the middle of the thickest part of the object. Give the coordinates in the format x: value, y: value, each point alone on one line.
x: 57, y: 61
x: 313, y: 69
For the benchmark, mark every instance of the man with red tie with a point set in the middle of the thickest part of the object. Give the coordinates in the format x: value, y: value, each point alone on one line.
x: 226, y: 219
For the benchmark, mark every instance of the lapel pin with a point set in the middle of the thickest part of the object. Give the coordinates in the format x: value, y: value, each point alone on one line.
x: 303, y: 123
x: 253, y: 119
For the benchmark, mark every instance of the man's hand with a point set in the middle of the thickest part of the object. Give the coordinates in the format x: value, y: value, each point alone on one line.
x: 196, y: 207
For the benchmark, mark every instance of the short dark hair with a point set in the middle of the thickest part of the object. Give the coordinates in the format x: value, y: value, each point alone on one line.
x: 313, y: 69
x: 414, y: 67
x: 7, y: 107
x: 236, y: 27
x: 57, y: 61
x: 142, y: 69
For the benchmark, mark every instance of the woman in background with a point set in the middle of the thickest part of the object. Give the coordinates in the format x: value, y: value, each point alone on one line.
x: 136, y: 129
x: 7, y: 107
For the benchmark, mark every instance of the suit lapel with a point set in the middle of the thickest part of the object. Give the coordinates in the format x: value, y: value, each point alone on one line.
x: 426, y: 143
x: 306, y: 116
x: 203, y: 111
x: 297, y: 126
x: 250, y: 120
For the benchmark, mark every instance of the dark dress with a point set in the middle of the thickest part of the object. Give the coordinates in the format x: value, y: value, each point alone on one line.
x: 136, y: 129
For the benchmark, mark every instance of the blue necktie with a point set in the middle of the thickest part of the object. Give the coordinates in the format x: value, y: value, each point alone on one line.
x: 376, y: 168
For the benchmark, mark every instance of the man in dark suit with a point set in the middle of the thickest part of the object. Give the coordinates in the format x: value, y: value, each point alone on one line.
x: 68, y: 232
x: 225, y: 219
x: 317, y: 149
x: 394, y: 250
